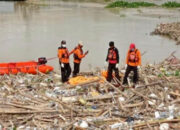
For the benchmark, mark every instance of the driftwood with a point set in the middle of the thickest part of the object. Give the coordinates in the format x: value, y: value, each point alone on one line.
x: 43, y: 102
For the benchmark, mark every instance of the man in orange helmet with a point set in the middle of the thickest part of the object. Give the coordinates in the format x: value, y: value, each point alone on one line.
x: 63, y: 55
x: 133, y: 62
x: 78, y: 55
x: 113, y: 59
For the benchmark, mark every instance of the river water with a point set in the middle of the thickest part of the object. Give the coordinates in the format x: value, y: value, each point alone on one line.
x: 29, y: 31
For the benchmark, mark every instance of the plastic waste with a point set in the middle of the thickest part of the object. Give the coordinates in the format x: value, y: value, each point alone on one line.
x: 152, y: 95
x: 21, y: 81
x: 43, y: 84
x: 121, y: 99
x: 82, y: 101
x: 171, y: 112
x: 130, y: 119
x: 152, y: 102
x: 57, y: 76
x: 94, y: 107
x: 94, y: 93
x: 84, y: 124
x: 161, y: 105
x: 164, y: 126
x: 116, y: 125
x: 161, y: 115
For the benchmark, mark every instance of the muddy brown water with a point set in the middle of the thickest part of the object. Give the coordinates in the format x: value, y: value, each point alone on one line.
x: 29, y: 31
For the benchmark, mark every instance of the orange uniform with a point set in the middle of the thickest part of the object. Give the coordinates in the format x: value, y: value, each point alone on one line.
x: 78, y: 54
x: 63, y: 55
x: 133, y: 58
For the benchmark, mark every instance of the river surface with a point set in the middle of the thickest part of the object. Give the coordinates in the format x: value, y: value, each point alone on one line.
x: 29, y: 31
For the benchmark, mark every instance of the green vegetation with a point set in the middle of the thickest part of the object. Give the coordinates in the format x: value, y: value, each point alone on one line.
x: 125, y: 4
x: 171, y: 5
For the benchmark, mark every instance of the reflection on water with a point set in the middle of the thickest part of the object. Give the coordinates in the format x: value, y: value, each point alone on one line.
x: 25, y: 10
x: 29, y: 31
x: 6, y: 7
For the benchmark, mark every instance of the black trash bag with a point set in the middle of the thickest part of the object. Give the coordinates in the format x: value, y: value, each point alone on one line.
x: 130, y: 119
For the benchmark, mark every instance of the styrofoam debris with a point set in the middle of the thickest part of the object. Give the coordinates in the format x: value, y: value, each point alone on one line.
x: 164, y: 126
x: 152, y: 102
x: 116, y: 125
x: 84, y: 124
x: 152, y: 95
x: 121, y: 99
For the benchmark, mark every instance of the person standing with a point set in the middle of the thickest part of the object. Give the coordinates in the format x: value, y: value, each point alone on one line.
x: 78, y: 55
x: 133, y: 62
x: 113, y: 60
x: 63, y: 55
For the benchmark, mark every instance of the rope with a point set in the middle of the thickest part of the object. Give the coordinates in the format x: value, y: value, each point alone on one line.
x: 52, y: 58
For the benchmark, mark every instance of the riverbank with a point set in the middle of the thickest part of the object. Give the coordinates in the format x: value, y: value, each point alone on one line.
x: 42, y: 101
x: 113, y: 4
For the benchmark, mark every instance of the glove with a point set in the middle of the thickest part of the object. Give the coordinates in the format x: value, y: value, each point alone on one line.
x: 125, y: 66
x: 62, y: 65
x: 117, y: 65
x: 105, y: 63
x: 86, y: 52
x: 139, y: 68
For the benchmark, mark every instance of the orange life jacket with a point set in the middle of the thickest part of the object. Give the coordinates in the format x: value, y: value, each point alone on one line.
x: 112, y: 56
x: 63, y: 55
x: 133, y: 58
x: 78, y: 55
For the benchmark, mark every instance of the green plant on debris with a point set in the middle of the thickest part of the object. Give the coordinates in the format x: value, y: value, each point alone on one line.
x: 169, y: 73
x: 171, y: 4
x: 125, y: 4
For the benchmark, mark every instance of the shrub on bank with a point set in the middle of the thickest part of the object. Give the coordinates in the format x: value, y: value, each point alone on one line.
x: 171, y: 5
x: 124, y: 4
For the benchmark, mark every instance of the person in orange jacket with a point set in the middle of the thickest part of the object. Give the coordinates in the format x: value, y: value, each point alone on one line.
x: 133, y: 62
x: 78, y: 55
x: 63, y: 55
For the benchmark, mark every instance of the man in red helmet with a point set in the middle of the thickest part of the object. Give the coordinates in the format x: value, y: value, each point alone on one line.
x: 133, y: 62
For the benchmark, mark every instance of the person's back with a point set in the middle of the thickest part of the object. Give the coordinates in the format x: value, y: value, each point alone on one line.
x: 78, y: 55
x: 63, y: 54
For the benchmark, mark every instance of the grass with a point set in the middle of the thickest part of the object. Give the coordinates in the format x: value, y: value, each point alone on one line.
x: 171, y: 5
x: 124, y: 4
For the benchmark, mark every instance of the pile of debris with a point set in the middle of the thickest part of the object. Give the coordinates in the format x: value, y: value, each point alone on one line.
x: 42, y: 101
x: 171, y: 30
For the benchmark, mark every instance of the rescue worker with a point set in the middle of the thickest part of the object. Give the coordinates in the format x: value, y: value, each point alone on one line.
x: 78, y: 55
x: 63, y: 55
x: 113, y: 60
x: 133, y: 62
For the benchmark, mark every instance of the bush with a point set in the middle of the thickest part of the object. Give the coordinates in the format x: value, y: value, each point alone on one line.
x: 124, y: 4
x: 171, y: 5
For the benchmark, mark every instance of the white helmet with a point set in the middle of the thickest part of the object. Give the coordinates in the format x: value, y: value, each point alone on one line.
x: 80, y: 43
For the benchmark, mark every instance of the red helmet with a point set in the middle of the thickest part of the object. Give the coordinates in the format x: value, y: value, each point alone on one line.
x: 132, y: 46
